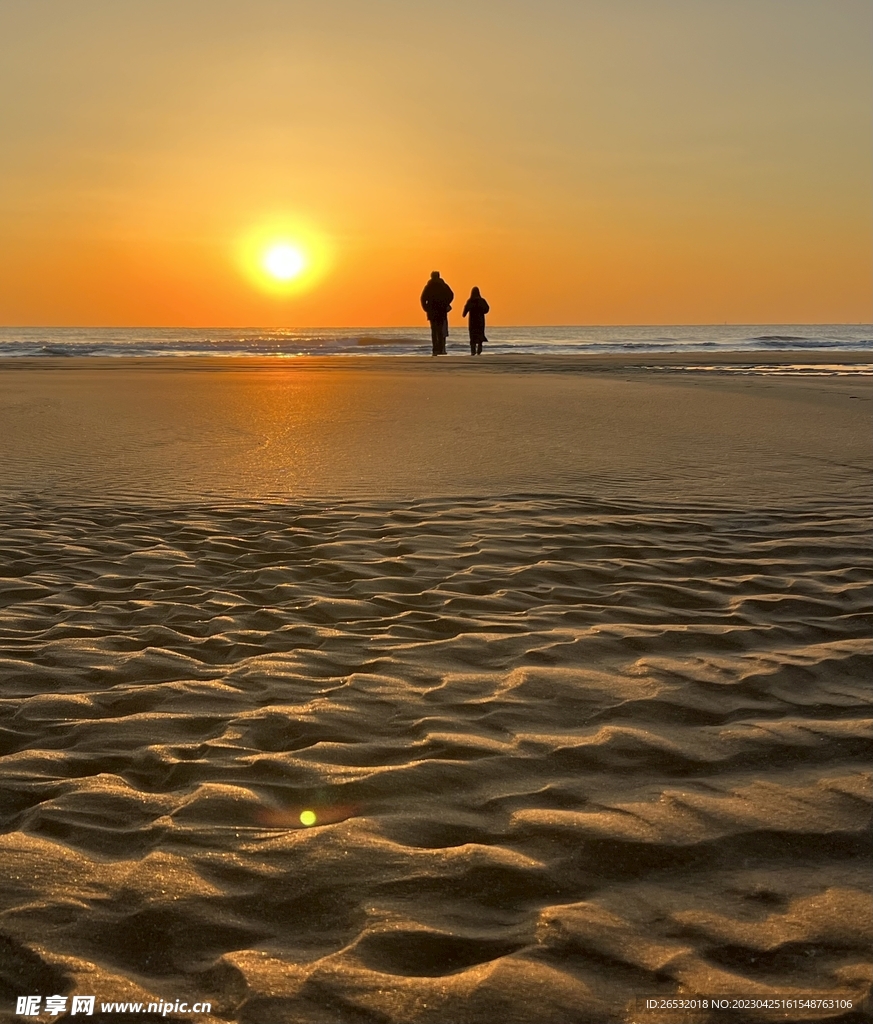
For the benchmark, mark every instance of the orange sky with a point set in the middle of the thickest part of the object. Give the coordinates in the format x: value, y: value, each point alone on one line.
x: 582, y: 161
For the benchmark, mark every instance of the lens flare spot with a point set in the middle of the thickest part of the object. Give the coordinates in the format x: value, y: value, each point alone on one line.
x: 307, y: 818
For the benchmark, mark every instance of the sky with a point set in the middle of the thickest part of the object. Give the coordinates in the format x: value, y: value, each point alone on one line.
x: 581, y: 161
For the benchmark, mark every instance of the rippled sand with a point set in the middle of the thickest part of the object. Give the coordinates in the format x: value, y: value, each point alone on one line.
x: 565, y: 749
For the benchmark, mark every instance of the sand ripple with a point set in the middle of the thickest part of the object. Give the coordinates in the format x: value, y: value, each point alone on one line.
x: 561, y: 755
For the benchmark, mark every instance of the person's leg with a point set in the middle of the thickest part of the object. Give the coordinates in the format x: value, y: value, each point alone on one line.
x: 435, y: 337
x: 472, y: 346
x: 444, y: 333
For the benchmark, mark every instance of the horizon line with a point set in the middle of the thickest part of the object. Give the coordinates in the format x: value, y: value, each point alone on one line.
x: 424, y: 327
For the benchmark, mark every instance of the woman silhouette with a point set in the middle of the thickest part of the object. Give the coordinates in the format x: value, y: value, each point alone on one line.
x: 477, y: 307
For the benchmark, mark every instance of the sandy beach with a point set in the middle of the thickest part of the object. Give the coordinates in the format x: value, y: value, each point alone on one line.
x: 565, y: 661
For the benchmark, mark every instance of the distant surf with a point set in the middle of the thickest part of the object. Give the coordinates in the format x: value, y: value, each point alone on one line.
x: 42, y: 342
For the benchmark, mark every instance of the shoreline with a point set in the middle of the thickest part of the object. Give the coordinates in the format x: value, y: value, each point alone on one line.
x: 456, y: 361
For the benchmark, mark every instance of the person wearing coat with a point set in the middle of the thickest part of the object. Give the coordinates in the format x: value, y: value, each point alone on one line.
x: 476, y: 308
x: 436, y: 301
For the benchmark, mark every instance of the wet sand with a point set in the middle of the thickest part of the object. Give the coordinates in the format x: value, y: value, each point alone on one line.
x: 412, y: 428
x: 569, y: 659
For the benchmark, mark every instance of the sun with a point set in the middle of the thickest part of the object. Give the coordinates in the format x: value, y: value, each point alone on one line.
x: 284, y: 256
x: 284, y: 261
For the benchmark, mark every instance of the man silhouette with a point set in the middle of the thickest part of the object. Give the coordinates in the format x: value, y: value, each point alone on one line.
x: 436, y: 301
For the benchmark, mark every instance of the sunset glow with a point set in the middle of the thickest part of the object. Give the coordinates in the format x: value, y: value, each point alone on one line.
x: 594, y: 163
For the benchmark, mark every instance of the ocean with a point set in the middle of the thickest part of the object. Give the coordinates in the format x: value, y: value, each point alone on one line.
x: 30, y: 342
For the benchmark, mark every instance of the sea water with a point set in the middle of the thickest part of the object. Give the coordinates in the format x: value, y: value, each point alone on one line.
x: 404, y: 341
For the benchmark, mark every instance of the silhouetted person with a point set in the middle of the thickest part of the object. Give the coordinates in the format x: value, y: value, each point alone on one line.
x: 477, y: 307
x: 436, y: 301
